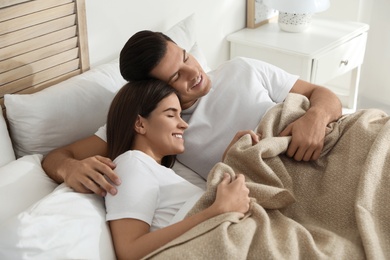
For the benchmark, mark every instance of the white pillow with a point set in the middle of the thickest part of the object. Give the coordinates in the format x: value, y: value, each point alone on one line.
x: 23, y: 182
x: 6, y: 151
x: 63, y: 113
x: 63, y: 225
x: 198, y: 54
x: 184, y: 32
x: 184, y: 35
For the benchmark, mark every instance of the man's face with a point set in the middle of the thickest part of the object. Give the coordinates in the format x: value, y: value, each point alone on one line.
x: 183, y: 72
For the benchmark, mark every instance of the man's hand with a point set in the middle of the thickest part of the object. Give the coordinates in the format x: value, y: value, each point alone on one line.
x: 308, y: 132
x: 307, y: 140
x: 83, y: 167
x: 90, y: 175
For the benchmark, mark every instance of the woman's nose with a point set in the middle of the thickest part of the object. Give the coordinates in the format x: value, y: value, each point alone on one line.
x: 183, y: 124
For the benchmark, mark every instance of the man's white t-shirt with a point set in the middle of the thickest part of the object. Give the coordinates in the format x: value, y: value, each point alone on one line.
x: 242, y: 91
x: 149, y: 192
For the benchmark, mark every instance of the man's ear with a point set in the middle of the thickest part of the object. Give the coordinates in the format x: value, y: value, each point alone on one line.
x: 139, y: 125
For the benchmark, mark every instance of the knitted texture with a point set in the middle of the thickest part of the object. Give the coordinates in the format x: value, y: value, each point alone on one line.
x: 337, y: 207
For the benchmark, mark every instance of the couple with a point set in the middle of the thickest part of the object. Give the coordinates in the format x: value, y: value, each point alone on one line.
x: 215, y: 105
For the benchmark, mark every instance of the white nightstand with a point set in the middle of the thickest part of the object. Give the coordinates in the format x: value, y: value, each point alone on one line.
x: 329, y: 53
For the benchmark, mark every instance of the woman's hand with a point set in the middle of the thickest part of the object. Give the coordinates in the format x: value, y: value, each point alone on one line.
x: 133, y: 239
x: 232, y: 195
x: 255, y: 139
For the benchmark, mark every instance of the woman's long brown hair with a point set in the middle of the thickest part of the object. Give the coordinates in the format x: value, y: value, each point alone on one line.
x: 133, y: 99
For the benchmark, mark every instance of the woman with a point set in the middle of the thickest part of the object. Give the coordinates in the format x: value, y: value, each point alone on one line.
x: 144, y: 133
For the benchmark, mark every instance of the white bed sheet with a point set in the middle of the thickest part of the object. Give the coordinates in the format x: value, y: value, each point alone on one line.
x: 64, y: 224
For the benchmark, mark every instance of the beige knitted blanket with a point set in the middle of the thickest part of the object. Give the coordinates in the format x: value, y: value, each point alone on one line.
x: 335, y: 208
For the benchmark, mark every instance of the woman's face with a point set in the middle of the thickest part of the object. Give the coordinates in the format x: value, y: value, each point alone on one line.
x: 183, y: 72
x: 163, y: 129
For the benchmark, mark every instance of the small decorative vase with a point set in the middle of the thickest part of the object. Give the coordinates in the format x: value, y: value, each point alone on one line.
x: 292, y: 22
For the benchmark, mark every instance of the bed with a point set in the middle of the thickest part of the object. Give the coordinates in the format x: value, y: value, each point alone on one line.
x: 45, y: 81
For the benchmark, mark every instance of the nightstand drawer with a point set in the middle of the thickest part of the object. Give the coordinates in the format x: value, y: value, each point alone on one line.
x: 339, y: 60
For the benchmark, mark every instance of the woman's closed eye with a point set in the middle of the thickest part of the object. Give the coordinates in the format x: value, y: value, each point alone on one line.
x: 172, y: 112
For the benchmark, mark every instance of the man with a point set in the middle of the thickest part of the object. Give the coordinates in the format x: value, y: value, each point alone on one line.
x: 218, y: 104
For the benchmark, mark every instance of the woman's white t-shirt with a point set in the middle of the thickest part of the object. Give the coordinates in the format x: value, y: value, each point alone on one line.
x: 149, y: 192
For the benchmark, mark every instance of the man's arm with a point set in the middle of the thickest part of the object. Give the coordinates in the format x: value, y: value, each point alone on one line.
x: 308, y: 132
x: 82, y: 166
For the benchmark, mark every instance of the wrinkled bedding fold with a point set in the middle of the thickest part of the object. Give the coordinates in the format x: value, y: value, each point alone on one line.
x: 337, y: 207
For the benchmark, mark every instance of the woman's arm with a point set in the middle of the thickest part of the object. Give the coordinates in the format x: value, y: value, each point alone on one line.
x: 132, y: 239
x: 82, y: 166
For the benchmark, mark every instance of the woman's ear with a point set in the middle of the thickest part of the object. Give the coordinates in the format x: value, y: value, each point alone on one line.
x: 139, y: 125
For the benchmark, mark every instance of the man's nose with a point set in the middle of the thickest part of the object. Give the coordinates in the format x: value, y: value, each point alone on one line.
x: 192, y: 71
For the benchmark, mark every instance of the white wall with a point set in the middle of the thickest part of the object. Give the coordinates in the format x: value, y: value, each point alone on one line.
x: 374, y: 90
x: 375, y: 78
x: 111, y: 23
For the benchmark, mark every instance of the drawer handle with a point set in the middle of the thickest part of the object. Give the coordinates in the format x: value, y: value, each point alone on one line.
x: 345, y: 62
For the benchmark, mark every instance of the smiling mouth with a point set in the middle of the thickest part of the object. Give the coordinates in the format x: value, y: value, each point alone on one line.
x: 180, y: 136
x: 198, y: 80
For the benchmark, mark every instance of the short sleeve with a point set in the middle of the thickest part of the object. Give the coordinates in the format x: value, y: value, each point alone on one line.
x: 275, y: 80
x: 138, y: 194
x: 102, y: 133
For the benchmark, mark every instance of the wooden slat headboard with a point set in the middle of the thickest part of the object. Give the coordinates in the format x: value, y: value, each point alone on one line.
x: 42, y: 42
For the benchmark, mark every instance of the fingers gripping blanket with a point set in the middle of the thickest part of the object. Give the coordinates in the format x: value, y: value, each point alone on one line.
x: 337, y: 207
